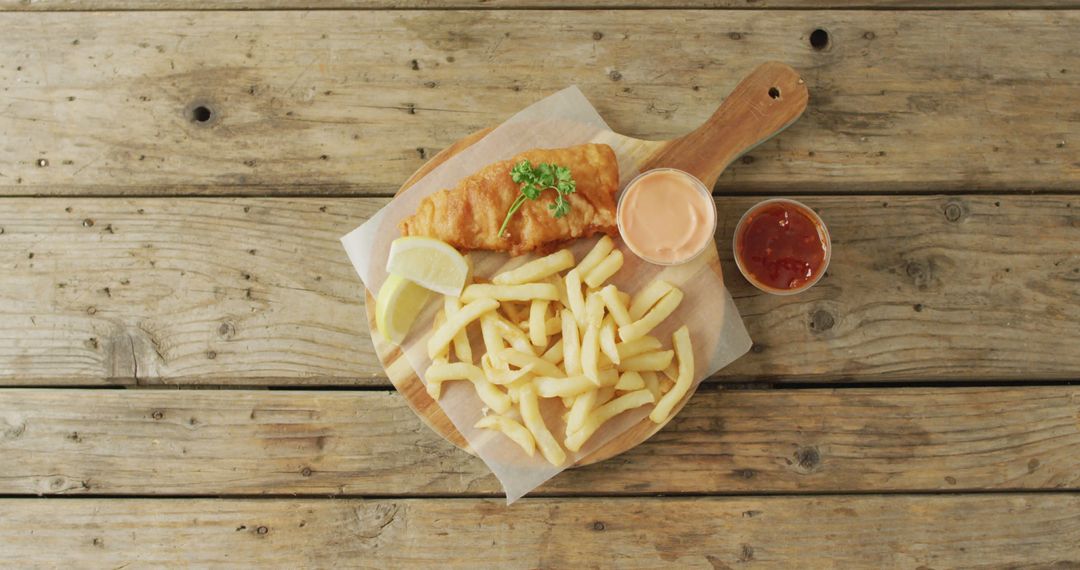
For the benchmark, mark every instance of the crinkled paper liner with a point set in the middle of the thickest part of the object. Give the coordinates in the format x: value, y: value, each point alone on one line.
x: 563, y: 119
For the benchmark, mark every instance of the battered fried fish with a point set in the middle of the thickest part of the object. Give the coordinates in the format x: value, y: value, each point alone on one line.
x: 468, y: 217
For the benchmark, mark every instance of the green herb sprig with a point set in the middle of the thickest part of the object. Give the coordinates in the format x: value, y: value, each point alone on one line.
x: 534, y: 180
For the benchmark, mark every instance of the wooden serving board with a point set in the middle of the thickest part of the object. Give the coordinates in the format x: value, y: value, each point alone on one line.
x: 766, y: 102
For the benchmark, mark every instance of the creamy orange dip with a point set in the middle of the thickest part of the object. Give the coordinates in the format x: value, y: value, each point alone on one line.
x: 666, y: 216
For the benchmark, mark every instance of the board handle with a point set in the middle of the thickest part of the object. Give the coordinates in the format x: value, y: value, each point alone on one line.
x: 764, y: 103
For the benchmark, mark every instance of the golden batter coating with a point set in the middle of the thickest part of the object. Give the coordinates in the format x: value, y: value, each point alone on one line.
x: 468, y: 217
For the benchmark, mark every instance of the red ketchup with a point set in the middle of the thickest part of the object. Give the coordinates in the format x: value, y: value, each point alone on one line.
x: 781, y: 246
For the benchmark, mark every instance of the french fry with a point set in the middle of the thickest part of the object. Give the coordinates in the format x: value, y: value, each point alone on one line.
x: 615, y: 305
x: 554, y: 354
x: 526, y: 292
x: 594, y: 310
x: 607, y: 340
x: 671, y: 371
x: 654, y: 361
x: 489, y: 394
x: 647, y: 297
x: 666, y: 384
x: 629, y: 381
x: 681, y: 340
x: 462, y: 348
x: 605, y: 394
x: 583, y: 404
x: 440, y: 318
x: 514, y: 389
x: 434, y: 385
x: 595, y: 255
x: 560, y: 286
x: 563, y: 387
x: 511, y: 429
x: 653, y: 317
x: 441, y: 338
x: 530, y: 413
x: 590, y: 348
x: 537, y: 322
x: 537, y: 269
x: 571, y: 344
x: 608, y: 377
x: 652, y: 383
x: 500, y: 376
x: 493, y: 341
x: 568, y: 402
x: 647, y: 343
x: 553, y: 325
x: 575, y: 300
x: 603, y: 413
x: 523, y: 359
x: 509, y: 332
x: 604, y: 270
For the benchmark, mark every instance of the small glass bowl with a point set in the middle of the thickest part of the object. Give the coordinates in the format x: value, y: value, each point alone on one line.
x: 823, y: 233
x: 700, y: 188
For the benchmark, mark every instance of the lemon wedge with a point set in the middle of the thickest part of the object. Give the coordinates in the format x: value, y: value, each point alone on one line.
x: 430, y: 263
x: 397, y: 306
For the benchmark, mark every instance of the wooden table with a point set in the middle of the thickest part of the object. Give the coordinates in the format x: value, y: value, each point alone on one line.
x: 188, y: 380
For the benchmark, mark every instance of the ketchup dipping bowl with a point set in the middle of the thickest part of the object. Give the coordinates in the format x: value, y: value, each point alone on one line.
x: 782, y: 246
x: 666, y: 216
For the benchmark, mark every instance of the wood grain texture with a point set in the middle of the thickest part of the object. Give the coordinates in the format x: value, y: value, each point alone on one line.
x: 981, y: 531
x: 200, y: 442
x: 49, y: 5
x: 259, y: 291
x: 924, y: 101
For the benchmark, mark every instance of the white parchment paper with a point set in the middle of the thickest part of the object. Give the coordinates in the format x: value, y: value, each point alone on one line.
x: 563, y: 119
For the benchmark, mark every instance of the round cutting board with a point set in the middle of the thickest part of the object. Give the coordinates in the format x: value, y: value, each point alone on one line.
x: 767, y: 101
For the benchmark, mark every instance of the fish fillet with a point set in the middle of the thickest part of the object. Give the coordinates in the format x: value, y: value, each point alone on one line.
x: 468, y: 216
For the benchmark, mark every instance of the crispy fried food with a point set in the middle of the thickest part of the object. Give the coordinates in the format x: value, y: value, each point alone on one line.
x: 468, y: 217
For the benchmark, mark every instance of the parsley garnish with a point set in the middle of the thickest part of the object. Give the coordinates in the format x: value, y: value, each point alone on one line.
x: 534, y: 180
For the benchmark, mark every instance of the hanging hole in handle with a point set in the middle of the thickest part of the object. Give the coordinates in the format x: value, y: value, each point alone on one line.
x: 774, y: 92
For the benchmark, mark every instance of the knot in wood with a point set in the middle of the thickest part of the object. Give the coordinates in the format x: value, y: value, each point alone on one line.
x: 598, y: 525
x: 915, y: 270
x: 262, y: 530
x: 953, y: 211
x: 808, y: 458
x: 821, y: 321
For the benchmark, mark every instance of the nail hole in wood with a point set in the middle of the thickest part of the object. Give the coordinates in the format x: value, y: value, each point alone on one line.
x: 201, y: 114
x: 774, y: 93
x: 819, y: 39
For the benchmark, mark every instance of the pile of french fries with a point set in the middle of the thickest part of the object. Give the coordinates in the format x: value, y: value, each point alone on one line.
x: 566, y: 336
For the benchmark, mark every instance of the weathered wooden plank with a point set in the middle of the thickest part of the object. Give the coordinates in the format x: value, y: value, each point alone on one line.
x: 155, y: 442
x: 983, y: 531
x: 50, y: 5
x: 352, y: 102
x: 259, y: 291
